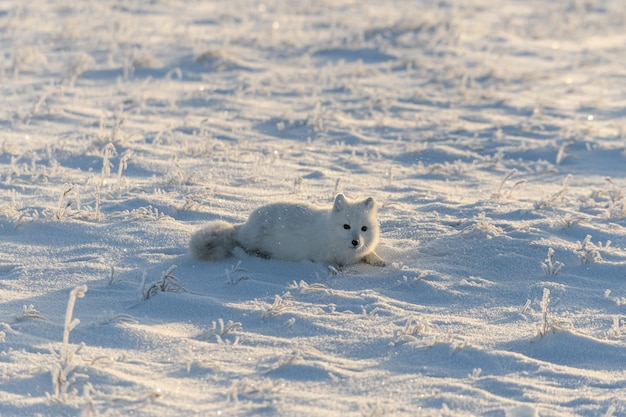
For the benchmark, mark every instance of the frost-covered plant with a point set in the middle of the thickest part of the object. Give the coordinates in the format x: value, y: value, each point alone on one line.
x: 89, y: 409
x: 167, y: 283
x: 17, y: 214
x: 588, y: 252
x: 278, y: 307
x: 104, y: 137
x: 29, y: 312
x: 406, y: 280
x: 546, y: 321
x: 78, y: 65
x: 98, y: 214
x: 550, y: 266
x: 616, y: 330
x: 525, y: 309
x: 111, y: 317
x: 475, y: 373
x: 39, y: 104
x: 562, y: 154
x: 64, y: 203
x: 305, y: 288
x: 287, y: 359
x: 178, y: 176
x: 63, y: 375
x: 189, y: 204
x: 316, y: 119
x: 617, y: 300
x: 25, y: 58
x: 567, y: 221
x: 221, y: 329
x: 26, y: 216
x: 499, y: 194
x: 409, y: 333
x: 147, y: 213
x: 617, y: 201
x: 554, y: 199
x: 123, y: 165
x: 617, y: 209
x: 457, y: 168
x: 112, y: 279
x: 297, y: 185
x: 484, y: 224
x: 235, y: 273
x: 117, y: 125
x: 107, y: 153
x: 78, y: 292
x: 245, y: 387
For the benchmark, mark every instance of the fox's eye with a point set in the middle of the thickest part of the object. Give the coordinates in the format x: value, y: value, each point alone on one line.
x: 364, y: 229
x: 346, y: 226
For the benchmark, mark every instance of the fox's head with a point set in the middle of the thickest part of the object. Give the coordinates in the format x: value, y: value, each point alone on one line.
x: 356, y: 223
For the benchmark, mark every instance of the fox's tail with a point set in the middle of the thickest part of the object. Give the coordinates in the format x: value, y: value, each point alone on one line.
x: 213, y: 242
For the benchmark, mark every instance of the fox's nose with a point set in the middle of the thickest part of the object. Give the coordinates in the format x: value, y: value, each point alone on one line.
x: 355, y: 243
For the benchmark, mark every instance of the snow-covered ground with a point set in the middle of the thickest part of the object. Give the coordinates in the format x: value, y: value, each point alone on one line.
x: 492, y: 134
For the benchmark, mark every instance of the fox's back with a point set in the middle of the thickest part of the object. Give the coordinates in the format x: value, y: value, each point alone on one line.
x: 285, y: 230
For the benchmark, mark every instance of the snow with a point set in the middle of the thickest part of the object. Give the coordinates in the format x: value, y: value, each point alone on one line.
x: 491, y: 134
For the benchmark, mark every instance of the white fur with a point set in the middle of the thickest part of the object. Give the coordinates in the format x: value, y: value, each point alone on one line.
x: 346, y: 234
x: 213, y: 242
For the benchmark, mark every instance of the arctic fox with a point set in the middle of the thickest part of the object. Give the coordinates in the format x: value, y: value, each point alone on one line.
x: 346, y: 234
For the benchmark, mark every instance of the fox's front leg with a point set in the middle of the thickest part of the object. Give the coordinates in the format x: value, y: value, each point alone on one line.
x: 373, y: 259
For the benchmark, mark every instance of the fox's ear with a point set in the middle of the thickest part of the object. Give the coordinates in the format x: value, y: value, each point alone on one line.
x: 369, y: 203
x: 340, y: 202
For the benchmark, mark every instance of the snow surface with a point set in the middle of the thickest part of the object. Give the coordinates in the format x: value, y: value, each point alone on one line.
x: 492, y: 134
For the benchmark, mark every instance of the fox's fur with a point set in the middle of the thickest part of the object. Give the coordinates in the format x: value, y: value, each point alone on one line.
x: 346, y: 234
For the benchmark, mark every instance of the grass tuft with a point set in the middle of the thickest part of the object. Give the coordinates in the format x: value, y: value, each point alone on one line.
x: 63, y: 371
x: 550, y: 266
x: 65, y: 204
x: 409, y: 333
x: 107, y: 153
x: 500, y: 194
x: 546, y: 321
x: 29, y: 313
x: 78, y: 292
x: 221, y: 329
x: 278, y: 307
x: 235, y: 274
x: 588, y: 252
x: 556, y: 198
x: 167, y: 283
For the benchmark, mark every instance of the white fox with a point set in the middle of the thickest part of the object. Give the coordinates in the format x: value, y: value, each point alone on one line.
x: 344, y: 235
